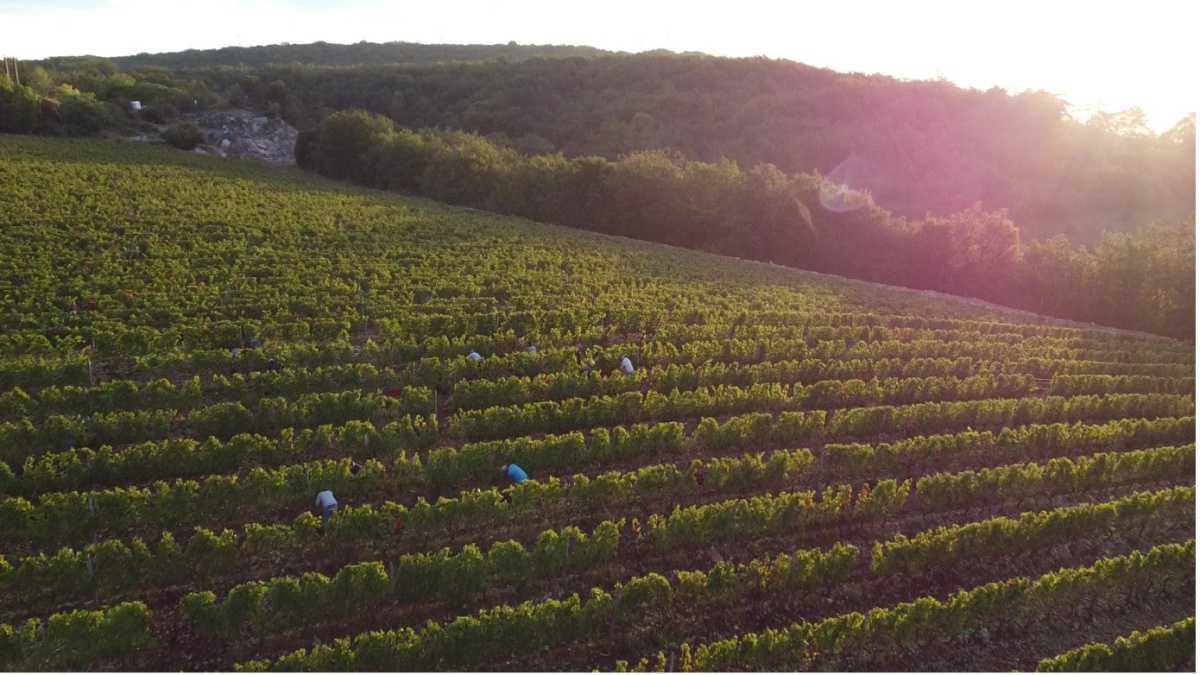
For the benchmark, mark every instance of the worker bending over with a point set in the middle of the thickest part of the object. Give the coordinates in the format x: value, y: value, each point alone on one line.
x: 514, y: 473
x: 327, y: 504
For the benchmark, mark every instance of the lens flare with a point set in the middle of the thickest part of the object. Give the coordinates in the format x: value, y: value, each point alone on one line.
x: 841, y: 189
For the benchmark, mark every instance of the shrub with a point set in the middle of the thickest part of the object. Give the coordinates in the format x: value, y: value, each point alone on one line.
x: 19, y: 108
x: 184, y: 136
x: 160, y: 114
x: 344, y: 139
x: 83, y: 115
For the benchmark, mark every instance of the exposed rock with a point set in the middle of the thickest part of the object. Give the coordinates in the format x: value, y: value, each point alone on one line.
x: 241, y: 133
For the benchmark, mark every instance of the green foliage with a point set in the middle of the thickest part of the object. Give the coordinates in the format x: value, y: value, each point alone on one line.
x: 761, y: 214
x: 947, y: 545
x: 83, y: 114
x: 184, y: 136
x: 164, y: 373
x: 810, y: 644
x: 1159, y: 649
x: 344, y: 141
x: 72, y: 640
x: 19, y: 108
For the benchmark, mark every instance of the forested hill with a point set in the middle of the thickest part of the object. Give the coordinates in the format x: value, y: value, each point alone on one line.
x: 919, y: 146
x: 359, y: 53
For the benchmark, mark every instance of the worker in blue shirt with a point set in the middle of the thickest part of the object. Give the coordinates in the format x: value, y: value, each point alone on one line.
x: 514, y: 473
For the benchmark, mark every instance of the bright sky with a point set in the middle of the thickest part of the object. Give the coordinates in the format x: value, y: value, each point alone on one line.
x: 1096, y: 55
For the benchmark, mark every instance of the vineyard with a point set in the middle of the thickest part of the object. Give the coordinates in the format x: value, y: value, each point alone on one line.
x: 800, y: 473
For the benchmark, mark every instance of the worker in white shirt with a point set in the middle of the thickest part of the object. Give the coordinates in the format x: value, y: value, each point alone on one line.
x: 327, y: 504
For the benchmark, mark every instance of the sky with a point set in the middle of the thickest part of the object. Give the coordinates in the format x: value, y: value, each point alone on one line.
x: 1097, y: 55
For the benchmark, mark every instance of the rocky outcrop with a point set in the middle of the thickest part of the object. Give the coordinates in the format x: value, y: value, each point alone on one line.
x: 241, y: 133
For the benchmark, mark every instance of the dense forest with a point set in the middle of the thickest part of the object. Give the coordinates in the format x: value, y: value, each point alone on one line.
x: 918, y: 147
x: 1144, y: 280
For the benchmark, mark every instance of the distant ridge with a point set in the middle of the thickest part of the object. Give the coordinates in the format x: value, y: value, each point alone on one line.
x: 360, y: 53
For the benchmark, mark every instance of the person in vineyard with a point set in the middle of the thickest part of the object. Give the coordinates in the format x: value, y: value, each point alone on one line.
x: 513, y: 473
x: 474, y: 356
x: 531, y: 349
x: 626, y: 365
x: 328, y: 504
x: 585, y: 364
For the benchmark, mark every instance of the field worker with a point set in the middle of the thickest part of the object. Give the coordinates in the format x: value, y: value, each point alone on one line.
x: 626, y: 365
x: 514, y: 473
x: 327, y: 504
x: 474, y: 356
x: 531, y: 349
x: 586, y: 365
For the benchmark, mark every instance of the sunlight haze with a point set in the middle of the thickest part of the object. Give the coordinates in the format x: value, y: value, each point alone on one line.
x: 1108, y: 56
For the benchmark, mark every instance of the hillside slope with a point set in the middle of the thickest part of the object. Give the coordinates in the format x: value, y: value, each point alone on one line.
x: 160, y: 194
x: 918, y: 146
x: 719, y: 454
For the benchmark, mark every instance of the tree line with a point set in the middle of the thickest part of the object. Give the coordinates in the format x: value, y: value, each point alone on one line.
x: 918, y: 147
x: 1142, y: 280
